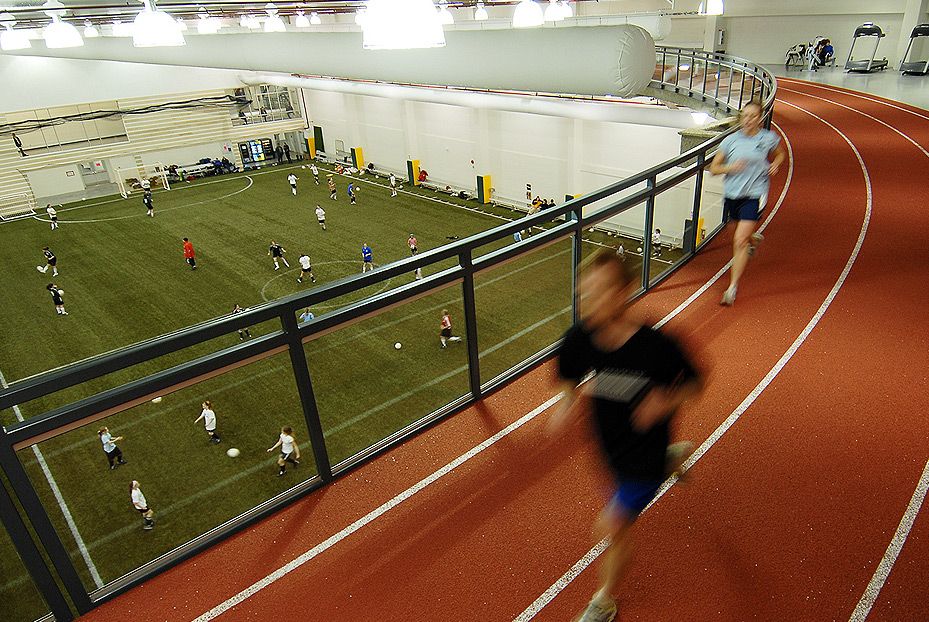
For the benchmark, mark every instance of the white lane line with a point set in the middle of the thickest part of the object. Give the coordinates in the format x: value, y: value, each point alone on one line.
x: 864, y: 114
x: 871, y: 592
x: 859, y: 95
x: 373, y: 515
x: 141, y: 215
x: 533, y: 609
x: 777, y: 205
x: 61, y: 501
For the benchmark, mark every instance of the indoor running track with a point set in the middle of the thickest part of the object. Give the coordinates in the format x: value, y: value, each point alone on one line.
x: 814, y: 421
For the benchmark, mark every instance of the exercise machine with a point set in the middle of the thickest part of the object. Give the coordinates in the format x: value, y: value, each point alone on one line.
x: 915, y: 67
x: 866, y: 30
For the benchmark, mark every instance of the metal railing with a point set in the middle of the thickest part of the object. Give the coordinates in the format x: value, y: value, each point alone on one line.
x: 705, y: 77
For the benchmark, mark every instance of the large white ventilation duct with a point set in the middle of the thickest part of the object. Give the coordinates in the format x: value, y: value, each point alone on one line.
x: 596, y: 60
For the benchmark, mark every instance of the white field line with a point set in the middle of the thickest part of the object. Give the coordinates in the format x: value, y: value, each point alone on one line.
x: 141, y: 215
x: 850, y: 93
x: 860, y: 614
x: 777, y: 205
x: 61, y: 502
x: 329, y: 346
x: 533, y: 609
x: 264, y: 464
x: 373, y: 515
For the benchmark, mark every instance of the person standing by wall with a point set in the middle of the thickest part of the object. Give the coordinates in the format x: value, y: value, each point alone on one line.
x: 748, y: 158
x: 287, y: 153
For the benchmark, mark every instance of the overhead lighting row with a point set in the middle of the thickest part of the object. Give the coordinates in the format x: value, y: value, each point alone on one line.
x: 393, y: 24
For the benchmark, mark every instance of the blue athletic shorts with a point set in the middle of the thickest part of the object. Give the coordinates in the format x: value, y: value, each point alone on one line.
x: 633, y: 495
x: 743, y: 208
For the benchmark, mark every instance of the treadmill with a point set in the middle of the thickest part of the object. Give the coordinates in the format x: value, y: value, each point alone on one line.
x: 870, y: 64
x: 915, y: 67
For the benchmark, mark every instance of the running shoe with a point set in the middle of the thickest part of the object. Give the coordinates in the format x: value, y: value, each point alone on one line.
x: 728, y: 298
x: 598, y: 611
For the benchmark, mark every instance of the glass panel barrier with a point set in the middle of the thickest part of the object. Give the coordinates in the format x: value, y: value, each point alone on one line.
x: 627, y: 230
x: 367, y: 389
x: 523, y: 306
x: 673, y: 213
x: 20, y: 600
x: 711, y: 215
x: 189, y: 481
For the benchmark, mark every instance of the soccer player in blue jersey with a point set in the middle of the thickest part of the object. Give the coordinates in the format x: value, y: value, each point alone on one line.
x: 367, y: 256
x: 351, y: 193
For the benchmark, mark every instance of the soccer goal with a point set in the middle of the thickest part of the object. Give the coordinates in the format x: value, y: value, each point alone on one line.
x: 135, y: 178
x: 13, y: 206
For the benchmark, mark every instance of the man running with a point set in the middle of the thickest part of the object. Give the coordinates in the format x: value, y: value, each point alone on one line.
x: 305, y: 269
x: 747, y: 158
x: 50, y: 262
x: 637, y: 378
x: 189, y: 255
x: 276, y: 252
x: 321, y: 217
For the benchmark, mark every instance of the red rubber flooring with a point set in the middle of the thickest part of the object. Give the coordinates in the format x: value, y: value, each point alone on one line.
x: 785, y: 517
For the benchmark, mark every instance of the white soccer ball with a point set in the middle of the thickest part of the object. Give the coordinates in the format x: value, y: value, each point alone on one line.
x: 61, y: 292
x: 157, y: 400
x: 638, y: 250
x: 232, y: 452
x: 39, y: 268
x: 398, y: 345
x: 304, y: 166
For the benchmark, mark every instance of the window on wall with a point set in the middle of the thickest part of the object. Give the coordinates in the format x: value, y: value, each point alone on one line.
x: 266, y: 103
x: 60, y: 131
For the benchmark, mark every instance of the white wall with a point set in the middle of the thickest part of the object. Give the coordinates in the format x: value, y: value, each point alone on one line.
x: 48, y: 82
x: 50, y: 182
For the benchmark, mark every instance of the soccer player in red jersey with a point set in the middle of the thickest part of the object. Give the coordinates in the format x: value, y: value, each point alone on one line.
x: 189, y: 255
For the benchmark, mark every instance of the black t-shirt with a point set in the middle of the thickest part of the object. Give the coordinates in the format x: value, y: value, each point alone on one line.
x: 276, y: 250
x: 621, y: 380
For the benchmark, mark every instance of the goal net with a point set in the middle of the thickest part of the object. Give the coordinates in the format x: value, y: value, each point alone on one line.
x: 136, y: 178
x: 14, y: 206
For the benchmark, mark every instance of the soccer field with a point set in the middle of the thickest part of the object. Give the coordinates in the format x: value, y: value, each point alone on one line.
x: 125, y: 281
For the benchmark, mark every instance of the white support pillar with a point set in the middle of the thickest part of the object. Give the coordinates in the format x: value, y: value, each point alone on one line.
x: 912, y: 16
x: 711, y: 23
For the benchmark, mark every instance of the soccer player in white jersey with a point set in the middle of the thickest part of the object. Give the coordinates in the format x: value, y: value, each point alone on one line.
x: 209, y: 420
x: 52, y: 215
x: 321, y: 217
x: 292, y: 179
x: 50, y: 262
x: 305, y: 268
x: 113, y: 454
x: 315, y: 172
x: 290, y: 451
x: 393, y: 185
x: 141, y: 505
x: 275, y: 252
x: 446, y: 334
x: 656, y: 243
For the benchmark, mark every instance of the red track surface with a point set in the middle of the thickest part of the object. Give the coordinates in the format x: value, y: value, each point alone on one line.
x: 785, y: 518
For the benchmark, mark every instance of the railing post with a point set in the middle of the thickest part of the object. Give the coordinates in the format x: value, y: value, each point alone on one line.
x: 649, y: 222
x: 301, y: 371
x: 577, y: 254
x: 48, y: 537
x: 742, y: 90
x: 32, y: 559
x: 470, y: 313
x: 677, y: 72
x: 693, y: 67
x: 698, y: 200
x: 706, y: 73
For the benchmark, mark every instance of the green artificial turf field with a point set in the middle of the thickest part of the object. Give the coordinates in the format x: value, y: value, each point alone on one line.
x: 125, y: 280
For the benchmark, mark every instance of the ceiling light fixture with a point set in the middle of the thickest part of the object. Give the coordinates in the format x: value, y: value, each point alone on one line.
x: 528, y: 14
x: 90, y: 32
x: 152, y: 28
x: 480, y: 13
x: 445, y: 16
x: 121, y: 29
x: 12, y: 39
x: 207, y: 25
x: 554, y: 12
x: 314, y: 19
x: 273, y: 23
x: 402, y: 25
x: 302, y: 20
x: 566, y: 9
x: 360, y: 16
x: 59, y: 34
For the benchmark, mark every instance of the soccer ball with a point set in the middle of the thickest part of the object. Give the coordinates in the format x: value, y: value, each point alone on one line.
x: 61, y: 292
x: 398, y: 345
x: 638, y: 250
x: 304, y: 166
x: 232, y: 452
x: 157, y: 400
x: 39, y: 268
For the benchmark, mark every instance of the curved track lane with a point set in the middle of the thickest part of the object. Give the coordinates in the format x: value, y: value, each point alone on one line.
x: 785, y: 517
